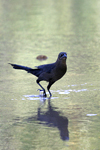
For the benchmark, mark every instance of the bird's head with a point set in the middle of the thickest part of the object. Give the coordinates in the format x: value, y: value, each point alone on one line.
x: 62, y: 56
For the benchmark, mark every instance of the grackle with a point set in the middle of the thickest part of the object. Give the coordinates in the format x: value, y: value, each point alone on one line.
x: 48, y: 72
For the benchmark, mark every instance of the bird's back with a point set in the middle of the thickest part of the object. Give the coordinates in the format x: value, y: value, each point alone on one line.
x: 47, y: 68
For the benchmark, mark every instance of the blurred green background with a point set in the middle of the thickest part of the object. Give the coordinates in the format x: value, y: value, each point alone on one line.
x: 31, y: 28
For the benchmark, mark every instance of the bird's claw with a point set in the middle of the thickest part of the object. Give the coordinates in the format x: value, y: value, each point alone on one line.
x: 39, y: 90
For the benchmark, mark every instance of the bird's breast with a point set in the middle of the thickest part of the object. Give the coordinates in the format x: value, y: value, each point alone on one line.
x: 60, y: 71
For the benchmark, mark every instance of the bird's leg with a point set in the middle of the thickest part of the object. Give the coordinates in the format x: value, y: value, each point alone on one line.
x: 48, y: 88
x: 44, y: 93
x: 50, y: 93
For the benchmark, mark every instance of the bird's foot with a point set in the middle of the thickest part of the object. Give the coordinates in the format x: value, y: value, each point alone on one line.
x: 44, y: 93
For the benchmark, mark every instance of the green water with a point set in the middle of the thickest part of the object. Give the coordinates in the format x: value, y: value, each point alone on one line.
x: 71, y: 121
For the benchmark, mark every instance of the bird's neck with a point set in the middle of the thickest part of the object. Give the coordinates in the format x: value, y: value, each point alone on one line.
x: 61, y: 63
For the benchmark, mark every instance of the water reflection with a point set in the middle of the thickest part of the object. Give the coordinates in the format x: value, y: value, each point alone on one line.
x: 53, y: 118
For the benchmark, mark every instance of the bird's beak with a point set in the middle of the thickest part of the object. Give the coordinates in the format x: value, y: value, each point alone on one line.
x: 64, y: 56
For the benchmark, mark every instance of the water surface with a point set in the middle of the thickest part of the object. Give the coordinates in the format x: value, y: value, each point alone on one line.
x: 71, y: 119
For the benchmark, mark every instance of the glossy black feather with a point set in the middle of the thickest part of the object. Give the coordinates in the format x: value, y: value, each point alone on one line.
x: 46, y: 68
x: 49, y: 72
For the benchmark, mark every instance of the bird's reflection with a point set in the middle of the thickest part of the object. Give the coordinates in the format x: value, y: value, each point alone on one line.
x: 53, y: 118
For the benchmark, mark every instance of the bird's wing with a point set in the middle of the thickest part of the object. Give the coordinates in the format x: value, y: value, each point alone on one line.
x: 46, y: 68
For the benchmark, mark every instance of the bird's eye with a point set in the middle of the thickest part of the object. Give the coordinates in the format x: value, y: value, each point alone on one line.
x: 61, y: 55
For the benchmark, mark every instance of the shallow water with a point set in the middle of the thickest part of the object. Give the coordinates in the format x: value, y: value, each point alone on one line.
x: 71, y: 118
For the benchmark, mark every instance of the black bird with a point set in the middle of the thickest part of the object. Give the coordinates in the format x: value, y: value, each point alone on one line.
x: 48, y: 72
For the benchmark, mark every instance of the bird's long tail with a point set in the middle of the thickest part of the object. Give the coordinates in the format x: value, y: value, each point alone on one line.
x: 29, y: 70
